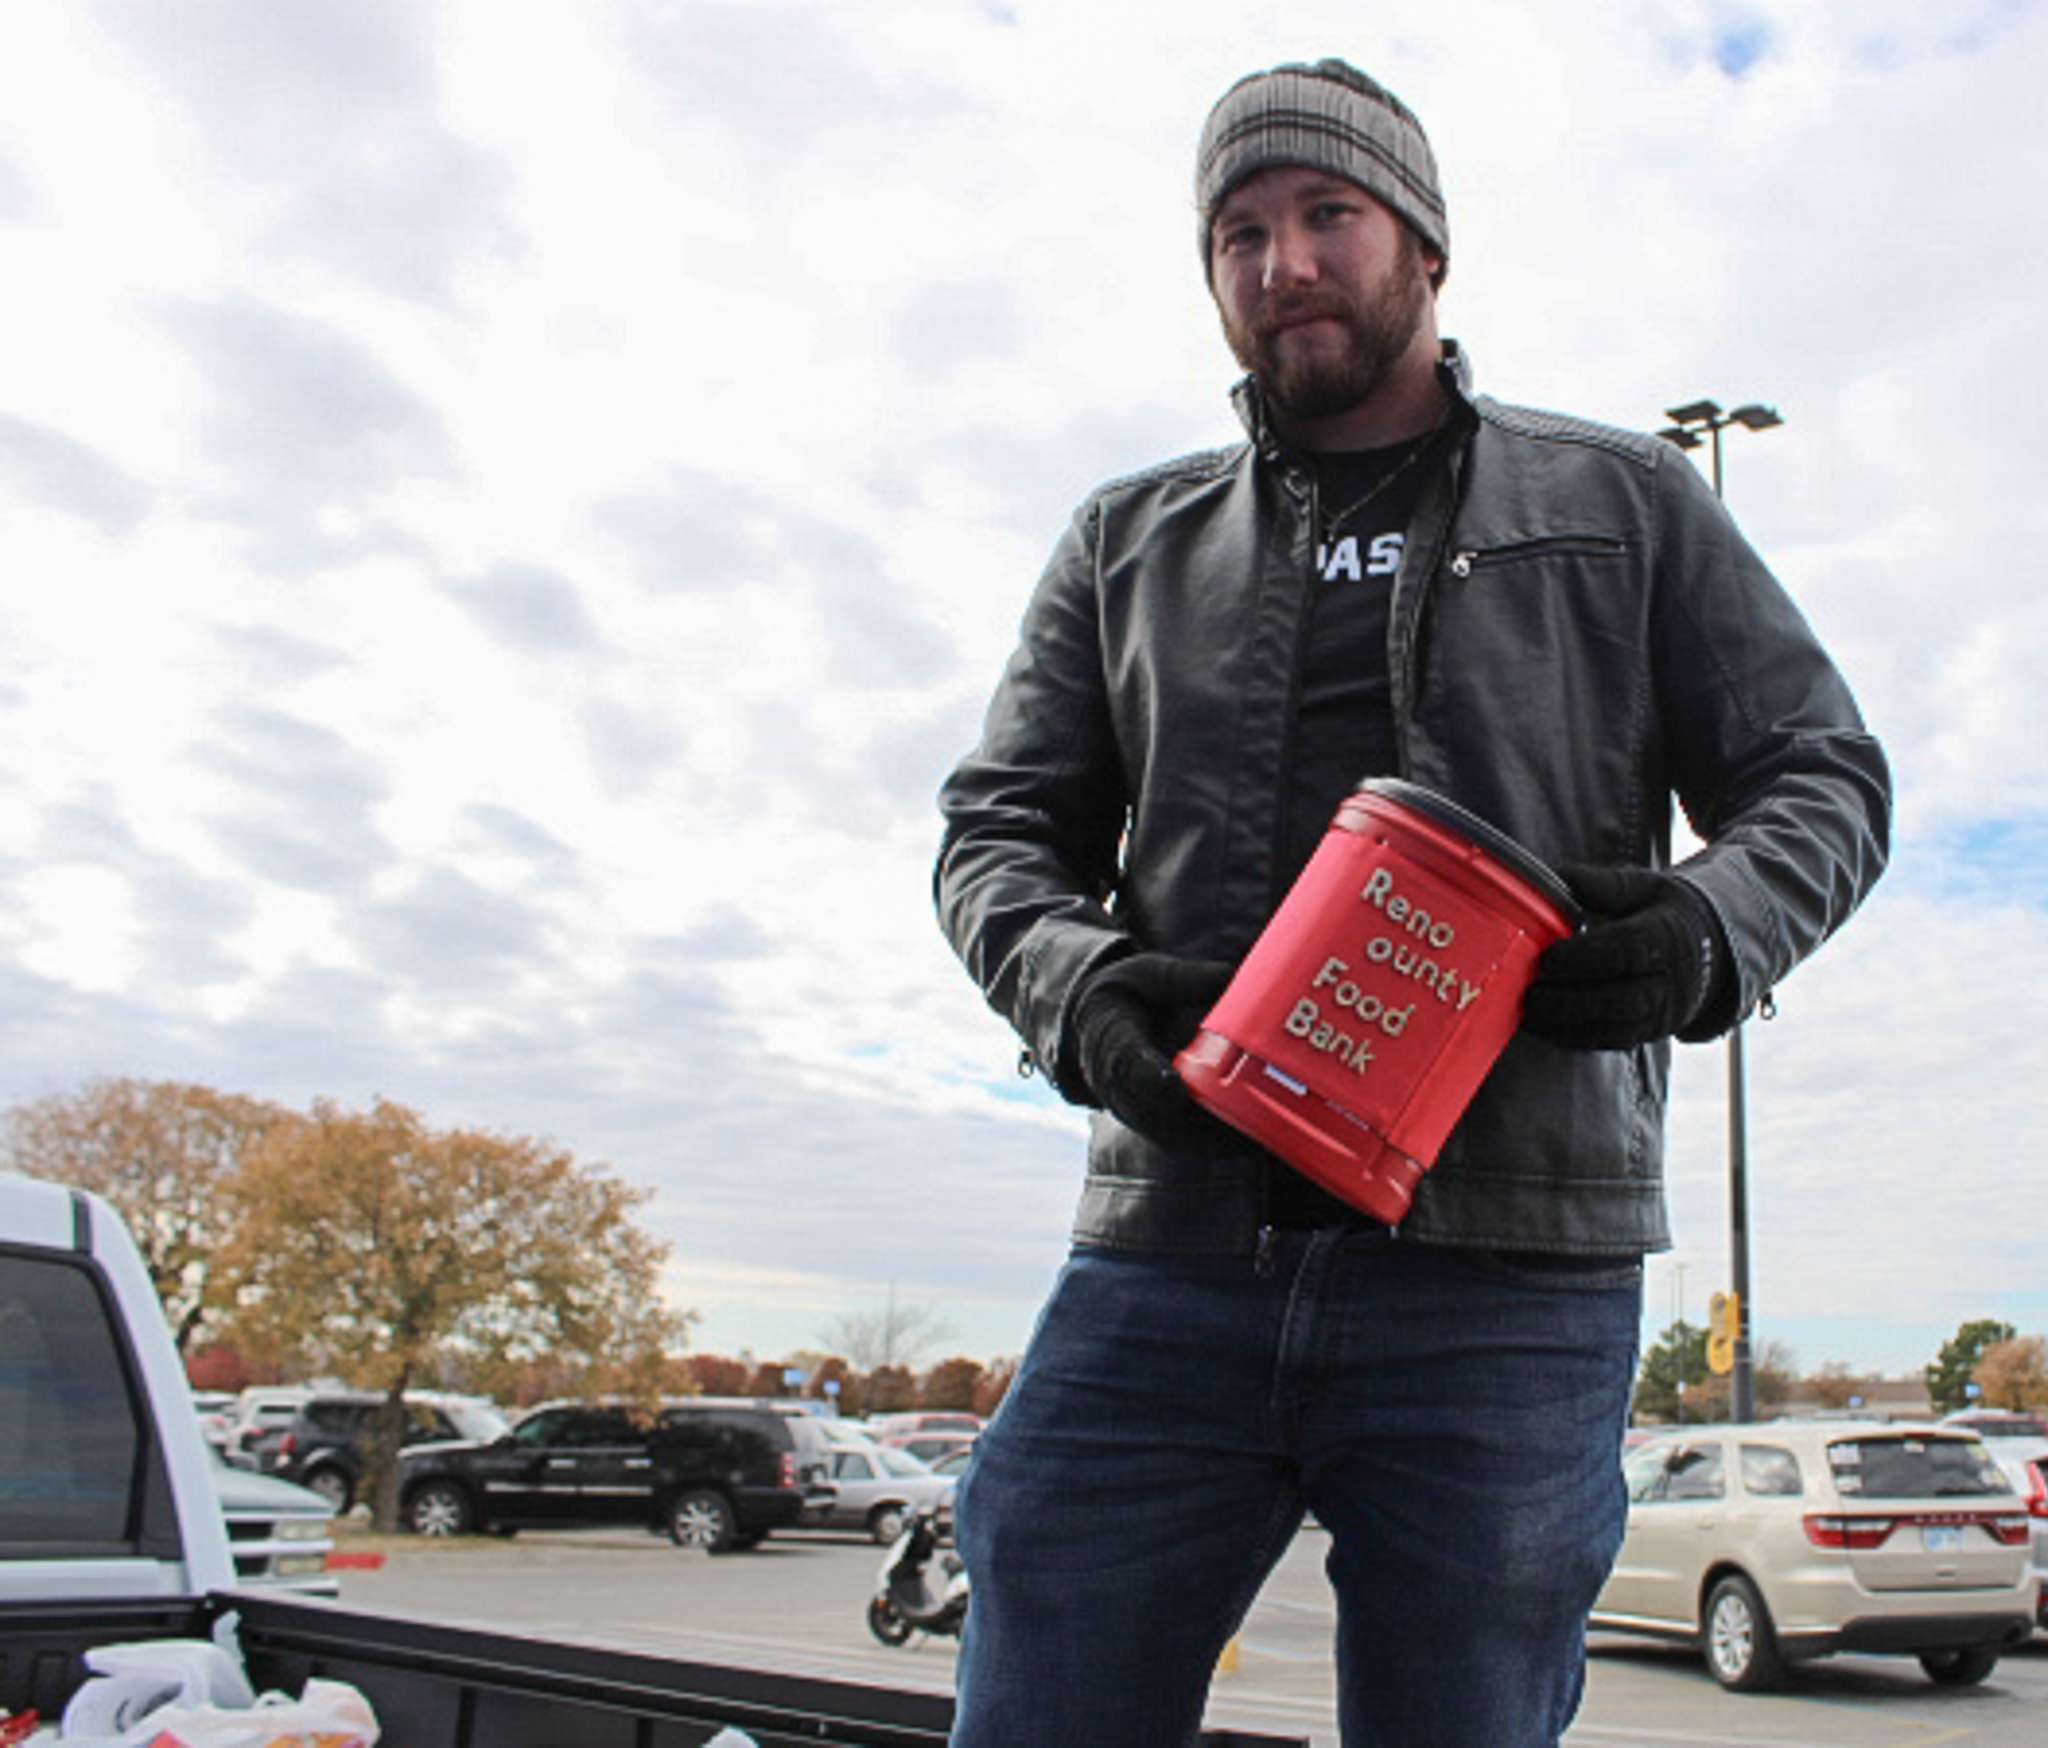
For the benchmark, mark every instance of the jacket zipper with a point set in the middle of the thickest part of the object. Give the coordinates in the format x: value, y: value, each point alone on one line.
x: 1306, y: 490
x: 1406, y: 677
x: 1465, y: 561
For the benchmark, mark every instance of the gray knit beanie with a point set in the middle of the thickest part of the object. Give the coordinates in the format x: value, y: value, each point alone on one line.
x: 1331, y: 117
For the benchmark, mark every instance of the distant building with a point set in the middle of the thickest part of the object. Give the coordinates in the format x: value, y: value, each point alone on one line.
x: 1881, y: 1398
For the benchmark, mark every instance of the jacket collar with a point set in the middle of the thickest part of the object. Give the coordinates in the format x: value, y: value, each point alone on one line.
x: 1454, y: 370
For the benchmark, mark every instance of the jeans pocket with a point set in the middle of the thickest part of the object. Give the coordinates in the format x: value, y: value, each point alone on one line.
x: 1553, y: 1271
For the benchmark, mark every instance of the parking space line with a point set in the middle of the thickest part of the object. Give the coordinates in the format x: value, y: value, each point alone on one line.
x: 1630, y: 1736
x: 1590, y: 1733
x: 1258, y: 1648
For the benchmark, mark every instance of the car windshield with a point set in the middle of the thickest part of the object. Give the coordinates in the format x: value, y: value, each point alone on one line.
x: 1914, y: 1468
x: 478, y: 1421
x: 901, y: 1462
x: 541, y: 1427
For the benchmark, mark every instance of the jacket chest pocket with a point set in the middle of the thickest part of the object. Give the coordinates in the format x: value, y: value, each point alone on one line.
x: 1465, y: 561
x: 1535, y: 657
x: 1544, y: 596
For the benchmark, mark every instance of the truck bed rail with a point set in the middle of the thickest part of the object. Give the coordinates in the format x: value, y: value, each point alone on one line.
x: 440, y: 1686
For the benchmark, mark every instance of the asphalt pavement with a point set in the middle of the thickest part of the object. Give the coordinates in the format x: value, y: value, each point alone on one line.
x: 797, y: 1604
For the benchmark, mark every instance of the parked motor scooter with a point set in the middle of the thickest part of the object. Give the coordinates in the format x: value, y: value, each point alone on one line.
x: 910, y: 1596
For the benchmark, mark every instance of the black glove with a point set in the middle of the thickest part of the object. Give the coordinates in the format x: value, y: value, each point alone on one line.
x: 1129, y: 1019
x: 1640, y: 970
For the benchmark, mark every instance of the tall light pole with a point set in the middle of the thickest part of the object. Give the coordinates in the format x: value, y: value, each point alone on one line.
x: 1688, y: 424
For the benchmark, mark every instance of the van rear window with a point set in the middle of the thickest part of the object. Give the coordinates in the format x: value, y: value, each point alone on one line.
x: 1903, y: 1467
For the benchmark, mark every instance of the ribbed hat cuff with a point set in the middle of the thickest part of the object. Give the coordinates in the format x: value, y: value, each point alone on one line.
x: 1329, y: 117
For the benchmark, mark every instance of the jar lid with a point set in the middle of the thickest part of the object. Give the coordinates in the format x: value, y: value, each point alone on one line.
x: 1495, y: 842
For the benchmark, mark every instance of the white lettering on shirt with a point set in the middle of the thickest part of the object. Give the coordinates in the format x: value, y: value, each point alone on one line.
x: 1343, y: 561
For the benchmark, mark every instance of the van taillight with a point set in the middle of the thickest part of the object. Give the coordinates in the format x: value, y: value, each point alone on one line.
x: 288, y: 1444
x: 2037, y: 1490
x: 789, y: 1468
x: 2008, y: 1528
x: 1848, y: 1532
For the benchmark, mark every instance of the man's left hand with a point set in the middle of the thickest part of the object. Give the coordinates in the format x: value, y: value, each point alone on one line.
x: 1640, y: 970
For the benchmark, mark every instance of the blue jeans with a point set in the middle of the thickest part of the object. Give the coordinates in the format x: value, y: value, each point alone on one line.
x: 1453, y: 1418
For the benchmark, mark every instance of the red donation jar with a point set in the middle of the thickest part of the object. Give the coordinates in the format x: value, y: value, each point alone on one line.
x: 1379, y: 995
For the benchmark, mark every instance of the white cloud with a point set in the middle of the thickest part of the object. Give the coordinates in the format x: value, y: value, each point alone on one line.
x: 522, y: 508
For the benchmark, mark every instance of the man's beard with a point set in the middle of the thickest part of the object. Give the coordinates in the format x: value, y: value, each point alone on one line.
x: 1317, y: 384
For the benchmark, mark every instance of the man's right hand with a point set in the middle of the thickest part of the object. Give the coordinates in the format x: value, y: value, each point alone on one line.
x: 1129, y: 1018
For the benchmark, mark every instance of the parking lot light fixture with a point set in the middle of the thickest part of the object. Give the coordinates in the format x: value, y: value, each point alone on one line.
x: 1688, y: 424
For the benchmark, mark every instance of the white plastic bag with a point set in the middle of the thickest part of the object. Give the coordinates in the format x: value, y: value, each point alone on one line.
x: 329, y: 1714
x: 188, y: 1693
x: 129, y: 1683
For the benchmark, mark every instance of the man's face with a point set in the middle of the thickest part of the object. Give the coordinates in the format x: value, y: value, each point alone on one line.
x: 1322, y: 290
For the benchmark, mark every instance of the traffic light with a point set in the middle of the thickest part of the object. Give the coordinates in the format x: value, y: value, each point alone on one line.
x: 1724, y: 1323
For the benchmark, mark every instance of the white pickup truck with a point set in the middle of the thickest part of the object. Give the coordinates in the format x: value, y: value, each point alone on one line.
x: 111, y: 1531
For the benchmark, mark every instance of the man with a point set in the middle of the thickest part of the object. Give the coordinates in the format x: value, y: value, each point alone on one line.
x: 1553, y: 624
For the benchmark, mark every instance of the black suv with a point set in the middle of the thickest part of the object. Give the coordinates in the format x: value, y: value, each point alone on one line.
x: 715, y: 1473
x: 325, y: 1446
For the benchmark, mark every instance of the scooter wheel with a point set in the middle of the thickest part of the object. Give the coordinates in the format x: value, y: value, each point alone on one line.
x: 886, y: 1623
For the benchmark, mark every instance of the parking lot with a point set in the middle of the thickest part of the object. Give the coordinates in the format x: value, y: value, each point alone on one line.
x: 796, y: 1604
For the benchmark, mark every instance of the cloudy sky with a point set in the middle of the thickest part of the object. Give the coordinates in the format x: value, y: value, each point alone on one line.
x: 509, y: 512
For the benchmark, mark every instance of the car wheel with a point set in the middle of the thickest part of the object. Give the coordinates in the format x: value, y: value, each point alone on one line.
x: 1741, y: 1644
x: 701, y: 1518
x: 333, y: 1486
x: 885, y: 1522
x: 886, y: 1623
x: 1958, y: 1668
x: 440, y: 1508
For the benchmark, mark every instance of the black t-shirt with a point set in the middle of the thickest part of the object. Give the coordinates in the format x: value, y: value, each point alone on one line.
x: 1344, y: 726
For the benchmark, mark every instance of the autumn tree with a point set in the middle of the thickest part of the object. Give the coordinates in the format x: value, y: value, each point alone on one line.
x: 543, y: 1377
x: 1710, y: 1395
x: 996, y: 1379
x: 162, y: 1154
x: 1955, y: 1366
x: 2014, y: 1373
x: 766, y: 1380
x: 1834, y: 1384
x: 890, y: 1389
x: 215, y: 1365
x: 374, y: 1244
x: 952, y: 1384
x: 830, y: 1371
x: 716, y: 1374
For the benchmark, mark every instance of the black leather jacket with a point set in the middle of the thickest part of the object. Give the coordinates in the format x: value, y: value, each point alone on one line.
x: 1578, y: 633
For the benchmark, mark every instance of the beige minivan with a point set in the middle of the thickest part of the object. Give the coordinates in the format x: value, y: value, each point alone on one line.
x: 1772, y: 1543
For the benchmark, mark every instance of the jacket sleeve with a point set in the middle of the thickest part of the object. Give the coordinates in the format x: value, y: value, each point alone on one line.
x: 1035, y: 815
x: 1766, y: 749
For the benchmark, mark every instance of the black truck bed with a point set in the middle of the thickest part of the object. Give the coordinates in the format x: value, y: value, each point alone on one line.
x: 438, y: 1686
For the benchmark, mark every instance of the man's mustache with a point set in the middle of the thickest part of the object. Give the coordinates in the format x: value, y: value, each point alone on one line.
x: 1309, y: 307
